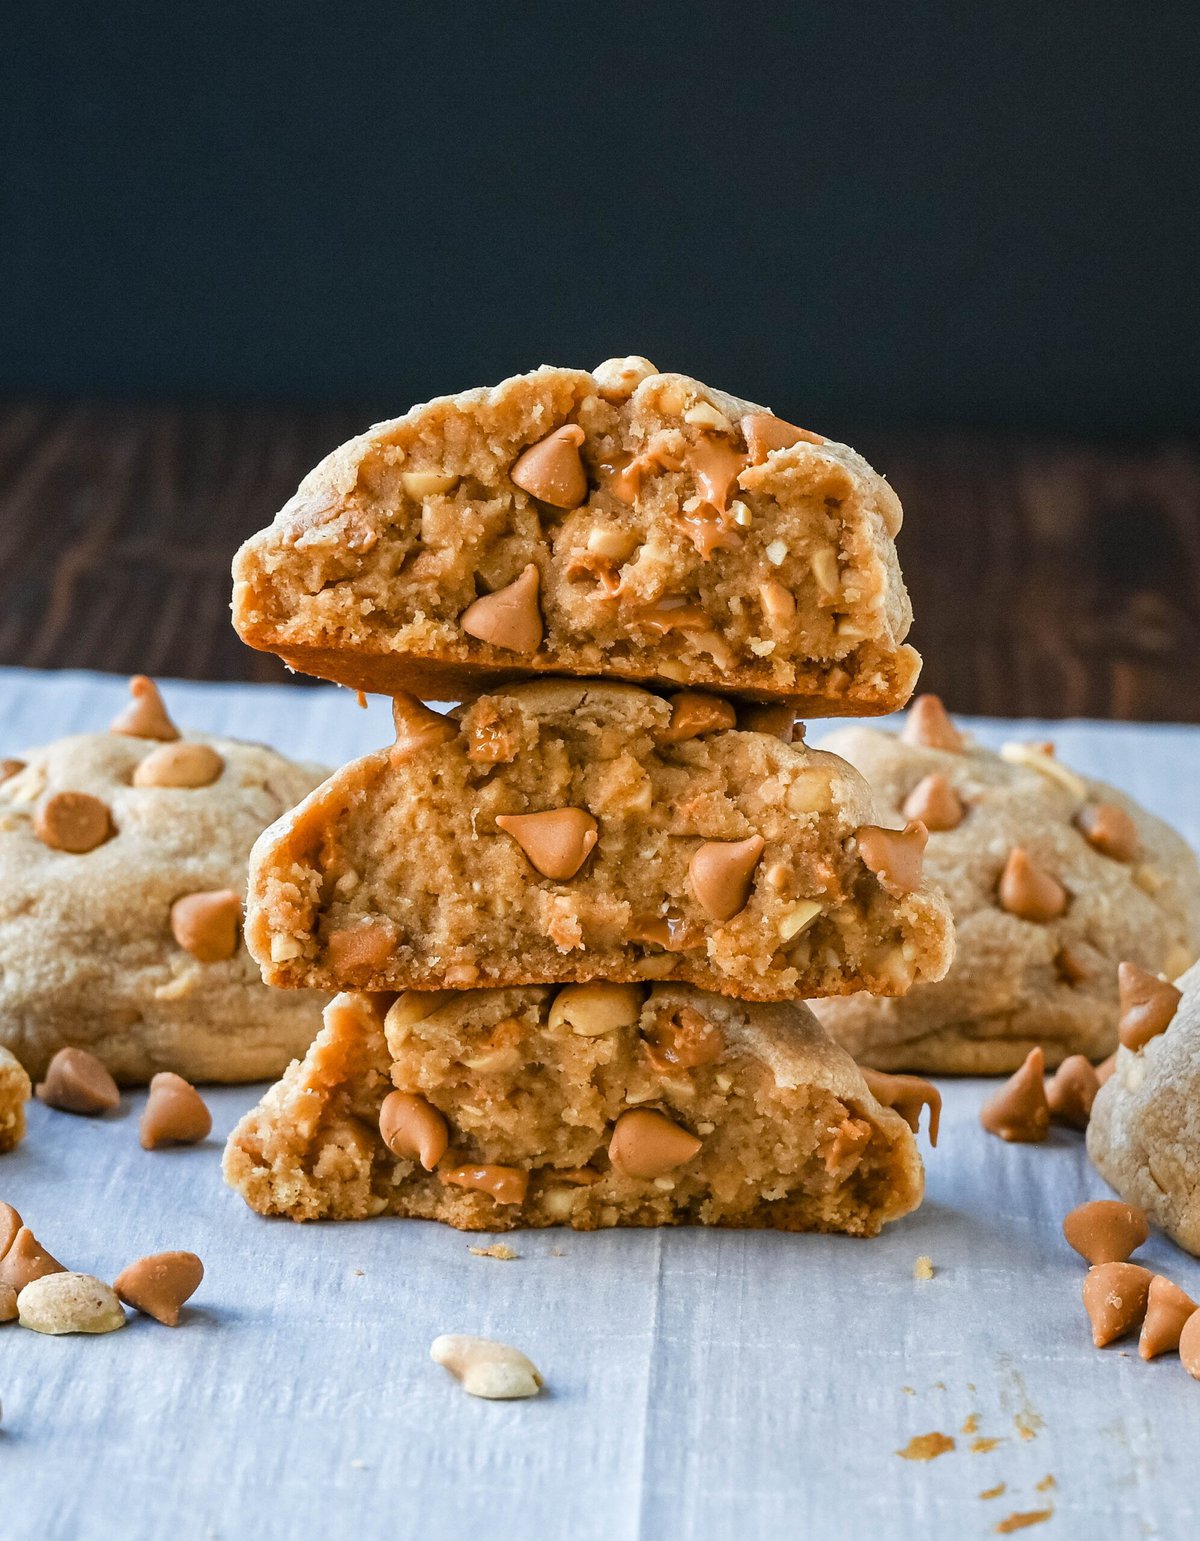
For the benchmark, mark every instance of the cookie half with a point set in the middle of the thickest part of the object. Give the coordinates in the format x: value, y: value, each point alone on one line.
x: 592, y: 1106
x: 626, y: 523
x: 563, y: 831
x: 1053, y: 879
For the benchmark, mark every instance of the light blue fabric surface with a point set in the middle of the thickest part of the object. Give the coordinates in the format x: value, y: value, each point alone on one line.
x: 699, y: 1384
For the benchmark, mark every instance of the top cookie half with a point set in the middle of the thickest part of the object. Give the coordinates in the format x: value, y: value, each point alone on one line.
x: 626, y: 523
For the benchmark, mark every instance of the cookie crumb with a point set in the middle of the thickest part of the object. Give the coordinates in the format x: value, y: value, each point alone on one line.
x: 984, y: 1444
x: 994, y: 1492
x: 497, y: 1250
x: 1022, y: 1521
x: 926, y: 1447
x: 971, y: 1426
x: 923, y: 1268
x: 909, y: 1391
x: 1046, y: 1484
x: 1027, y: 1423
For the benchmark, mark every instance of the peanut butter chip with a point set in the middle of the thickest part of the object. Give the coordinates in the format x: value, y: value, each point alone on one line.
x: 361, y: 948
x: 1148, y: 1005
x: 159, y: 1285
x: 412, y: 1127
x: 721, y: 872
x: 716, y: 465
x: 174, y: 1114
x: 26, y: 1260
x: 505, y: 1184
x: 765, y: 432
x: 694, y: 713
x: 1106, y: 1230
x: 417, y: 727
x: 72, y: 821
x: 894, y: 855
x: 10, y: 1224
x: 557, y: 842
x: 145, y: 716
x: 646, y: 1144
x: 935, y: 803
x: 180, y: 764
x: 77, y: 1082
x: 1019, y: 1112
x: 1189, y: 1345
x: 928, y: 725
x: 1109, y: 830
x: 1167, y: 1311
x: 206, y: 924
x: 1028, y: 891
x: 1115, y: 1297
x: 1071, y: 1091
x: 510, y: 618
x: 907, y: 1094
x: 777, y: 720
x: 552, y: 470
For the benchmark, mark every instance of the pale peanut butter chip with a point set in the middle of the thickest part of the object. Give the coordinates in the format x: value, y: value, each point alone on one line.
x: 907, y: 1094
x: 1018, y: 1112
x: 764, y: 432
x: 1109, y: 830
x: 1115, y: 1297
x: 1148, y: 1005
x: 175, y: 1113
x: 646, y: 1144
x: 25, y: 1260
x: 928, y: 725
x: 412, y: 1127
x: 1189, y: 1345
x: 487, y: 1369
x: 72, y: 821
x: 694, y: 713
x: 1071, y: 1090
x: 145, y: 716
x: 69, y: 1302
x: 510, y: 618
x: 935, y: 803
x: 1028, y: 891
x: 179, y: 764
x: 505, y: 1184
x: 721, y: 874
x: 1167, y: 1311
x: 1106, y: 1230
x: 160, y: 1285
x: 360, y: 948
x: 417, y: 727
x: 894, y: 855
x: 557, y: 842
x: 552, y: 471
x: 77, y: 1082
x: 206, y: 924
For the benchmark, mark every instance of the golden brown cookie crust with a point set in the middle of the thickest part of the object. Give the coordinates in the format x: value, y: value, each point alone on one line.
x: 15, y: 1092
x: 699, y: 553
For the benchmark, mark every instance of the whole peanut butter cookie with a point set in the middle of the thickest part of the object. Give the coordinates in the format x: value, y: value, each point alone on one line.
x: 122, y: 873
x: 595, y: 1105
x: 1053, y: 879
x: 624, y: 522
x: 561, y: 831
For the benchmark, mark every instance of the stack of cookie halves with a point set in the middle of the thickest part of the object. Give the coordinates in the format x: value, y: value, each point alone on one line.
x: 573, y: 920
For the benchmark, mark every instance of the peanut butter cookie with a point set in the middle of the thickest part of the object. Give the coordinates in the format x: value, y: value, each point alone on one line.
x: 563, y: 831
x: 15, y: 1092
x: 591, y: 1106
x: 626, y: 523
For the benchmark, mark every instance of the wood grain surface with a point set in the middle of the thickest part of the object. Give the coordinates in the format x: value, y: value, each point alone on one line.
x: 1049, y: 578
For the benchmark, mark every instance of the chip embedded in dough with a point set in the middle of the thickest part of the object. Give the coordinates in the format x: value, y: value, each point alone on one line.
x: 661, y: 1106
x: 646, y: 528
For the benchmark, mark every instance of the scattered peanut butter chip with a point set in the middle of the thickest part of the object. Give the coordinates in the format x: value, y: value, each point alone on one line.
x: 907, y: 1094
x: 1115, y: 1297
x: 693, y: 713
x: 65, y: 1302
x: 417, y: 727
x: 179, y: 764
x: 510, y: 618
x: 926, y: 1447
x: 206, y: 924
x: 1148, y: 1005
x: 485, y: 1368
x: 77, y: 1082
x: 1028, y: 891
x: 145, y: 716
x: 646, y: 1144
x: 1071, y: 1090
x: 160, y: 1285
x: 929, y: 725
x: 72, y: 821
x: 923, y: 1268
x: 721, y: 874
x: 505, y: 1184
x: 1168, y: 1309
x: 412, y: 1127
x: 175, y: 1113
x: 1018, y: 1112
x: 894, y: 855
x: 1106, y: 1230
x: 10, y: 768
x: 1109, y: 830
x: 552, y: 470
x: 777, y: 720
x: 764, y: 432
x: 1072, y: 967
x: 935, y: 803
x: 557, y: 842
x: 25, y: 1260
x: 365, y: 946
x: 8, y: 1303
x: 1189, y: 1345
x: 498, y: 1250
x: 10, y: 1224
